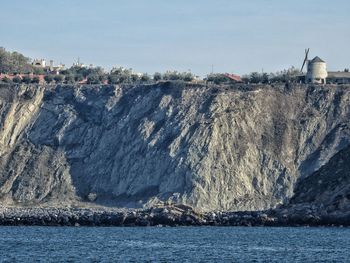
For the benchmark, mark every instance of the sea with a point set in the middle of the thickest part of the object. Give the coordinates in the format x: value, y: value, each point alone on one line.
x: 174, y: 244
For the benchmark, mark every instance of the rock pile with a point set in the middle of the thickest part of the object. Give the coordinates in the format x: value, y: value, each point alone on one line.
x: 163, y: 216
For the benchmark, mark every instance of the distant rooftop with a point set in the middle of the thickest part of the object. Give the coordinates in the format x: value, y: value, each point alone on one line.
x: 338, y: 74
x: 233, y: 77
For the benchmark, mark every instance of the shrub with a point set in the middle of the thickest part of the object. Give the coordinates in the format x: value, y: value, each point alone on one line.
x: 58, y: 78
x: 93, y: 79
x: 38, y: 71
x: 6, y: 80
x: 157, y: 76
x: 113, y: 79
x: 145, y: 78
x: 26, y: 79
x: 102, y: 77
x: 78, y: 77
x: 69, y: 79
x: 16, y: 79
x: 217, y: 78
x: 187, y: 76
x: 48, y: 78
x: 174, y: 75
x: 36, y: 80
x: 134, y: 78
x: 255, y: 77
x: 171, y: 75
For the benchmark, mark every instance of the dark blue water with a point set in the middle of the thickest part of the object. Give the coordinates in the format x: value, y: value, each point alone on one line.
x: 187, y: 244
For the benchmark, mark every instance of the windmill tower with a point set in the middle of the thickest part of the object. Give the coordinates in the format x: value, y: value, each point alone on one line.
x: 316, y: 69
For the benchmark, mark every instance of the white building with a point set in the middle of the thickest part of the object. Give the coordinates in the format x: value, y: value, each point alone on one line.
x: 40, y: 63
x: 316, y: 71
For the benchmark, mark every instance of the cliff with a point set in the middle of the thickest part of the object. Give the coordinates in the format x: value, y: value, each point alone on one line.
x: 214, y: 148
x: 328, y: 189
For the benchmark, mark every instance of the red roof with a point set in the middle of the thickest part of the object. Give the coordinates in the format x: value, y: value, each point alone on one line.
x: 234, y: 77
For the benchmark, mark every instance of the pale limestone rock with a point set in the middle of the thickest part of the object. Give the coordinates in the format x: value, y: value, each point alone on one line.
x: 214, y: 148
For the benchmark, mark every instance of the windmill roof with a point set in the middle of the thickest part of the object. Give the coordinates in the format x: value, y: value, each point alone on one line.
x: 316, y: 59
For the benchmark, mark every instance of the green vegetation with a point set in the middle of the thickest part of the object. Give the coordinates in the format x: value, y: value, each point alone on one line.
x: 157, y: 76
x: 18, y: 67
x: 26, y: 79
x: 287, y: 75
x: 217, y: 78
x: 58, y: 78
x: 35, y: 80
x: 48, y: 79
x: 175, y: 75
x: 69, y: 79
x: 14, y: 62
x: 16, y: 80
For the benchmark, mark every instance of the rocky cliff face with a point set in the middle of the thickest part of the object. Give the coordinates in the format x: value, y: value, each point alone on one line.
x: 328, y: 189
x: 214, y: 148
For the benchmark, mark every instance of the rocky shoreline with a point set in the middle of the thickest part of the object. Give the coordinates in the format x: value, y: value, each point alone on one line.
x: 166, y: 216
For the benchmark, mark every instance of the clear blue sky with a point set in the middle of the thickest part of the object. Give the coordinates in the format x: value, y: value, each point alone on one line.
x: 156, y: 35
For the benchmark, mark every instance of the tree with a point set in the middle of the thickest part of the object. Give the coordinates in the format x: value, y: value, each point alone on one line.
x: 102, y: 77
x: 255, y: 77
x: 93, y: 79
x: 145, y: 78
x: 78, y: 77
x: 121, y: 75
x: 4, y: 60
x: 187, y: 76
x: 134, y: 78
x: 265, y: 78
x: 285, y: 75
x: 26, y: 79
x: 157, y: 76
x: 14, y: 62
x: 48, y: 79
x: 36, y: 80
x: 16, y: 79
x: 217, y: 78
x: 58, y: 78
x: 171, y: 75
x: 38, y: 71
x: 69, y: 79
x: 245, y: 79
x: 113, y: 79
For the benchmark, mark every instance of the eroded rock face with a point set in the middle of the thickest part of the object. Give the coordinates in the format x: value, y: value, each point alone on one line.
x: 214, y: 148
x: 328, y: 189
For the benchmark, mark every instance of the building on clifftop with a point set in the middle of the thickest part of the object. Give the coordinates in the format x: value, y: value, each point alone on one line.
x: 316, y: 71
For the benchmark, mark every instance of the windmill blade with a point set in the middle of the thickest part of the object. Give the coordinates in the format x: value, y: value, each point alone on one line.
x: 306, y: 57
x: 302, y: 67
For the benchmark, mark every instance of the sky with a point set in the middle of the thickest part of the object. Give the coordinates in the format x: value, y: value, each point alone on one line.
x: 197, y: 35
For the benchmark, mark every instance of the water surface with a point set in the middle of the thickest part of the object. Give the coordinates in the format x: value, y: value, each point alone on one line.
x: 182, y: 244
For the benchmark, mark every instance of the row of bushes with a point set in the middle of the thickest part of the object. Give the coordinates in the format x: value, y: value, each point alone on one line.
x: 93, y: 76
x: 287, y: 75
